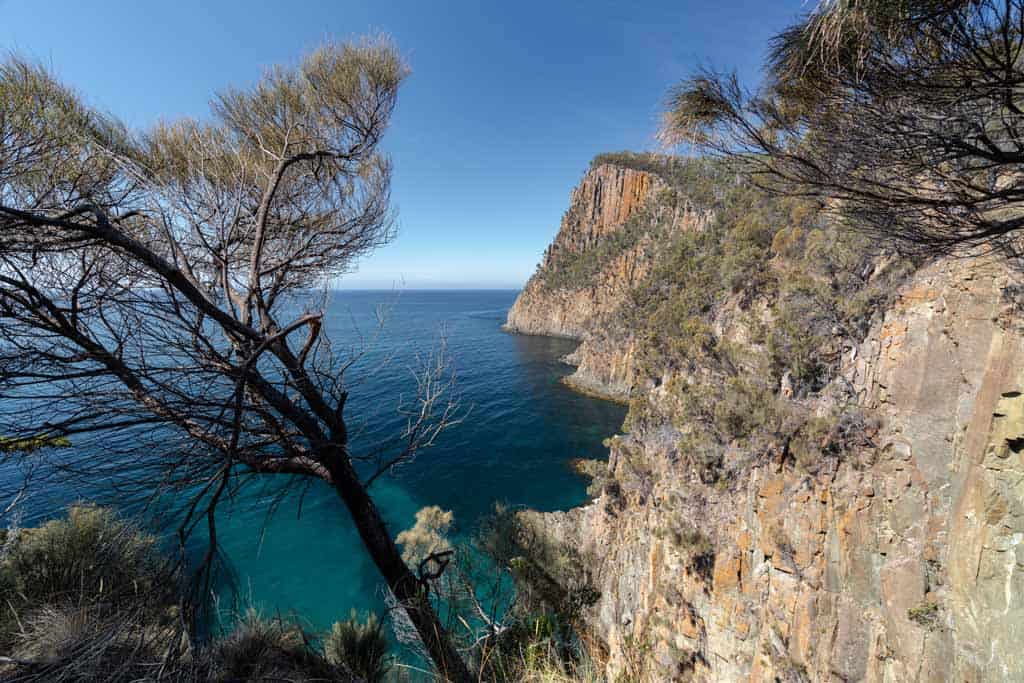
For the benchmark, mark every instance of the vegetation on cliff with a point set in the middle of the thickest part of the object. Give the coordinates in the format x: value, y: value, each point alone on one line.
x: 82, y: 592
x: 884, y: 129
x: 754, y: 313
x: 92, y: 597
x: 744, y: 318
x: 197, y: 238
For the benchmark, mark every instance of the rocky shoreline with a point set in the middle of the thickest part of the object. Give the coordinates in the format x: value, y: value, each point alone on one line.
x: 902, y: 560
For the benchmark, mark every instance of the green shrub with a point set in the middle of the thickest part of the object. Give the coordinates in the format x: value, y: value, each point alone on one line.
x: 88, y: 598
x: 685, y: 535
x: 550, y: 577
x: 731, y: 410
x: 811, y: 441
x: 92, y: 554
x: 32, y: 444
x: 267, y: 649
x: 359, y: 646
x: 698, y: 548
x: 834, y: 435
x: 796, y: 347
x: 744, y: 407
x: 537, y: 649
x: 926, y: 614
x: 745, y: 260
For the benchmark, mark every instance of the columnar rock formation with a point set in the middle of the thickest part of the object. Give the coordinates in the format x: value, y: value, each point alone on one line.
x: 606, y: 198
x: 600, y: 208
x: 902, y: 561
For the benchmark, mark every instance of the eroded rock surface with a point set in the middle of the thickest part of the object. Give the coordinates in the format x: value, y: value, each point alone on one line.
x: 901, y: 561
x: 600, y: 206
x: 600, y: 209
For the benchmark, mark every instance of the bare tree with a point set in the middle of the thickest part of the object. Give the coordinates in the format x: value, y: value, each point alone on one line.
x: 155, y: 291
x: 904, y: 117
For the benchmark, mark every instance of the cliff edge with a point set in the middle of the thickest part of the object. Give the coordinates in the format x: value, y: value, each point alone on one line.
x: 820, y: 476
x: 604, y: 247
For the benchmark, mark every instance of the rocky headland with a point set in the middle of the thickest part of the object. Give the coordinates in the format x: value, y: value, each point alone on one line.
x: 821, y: 475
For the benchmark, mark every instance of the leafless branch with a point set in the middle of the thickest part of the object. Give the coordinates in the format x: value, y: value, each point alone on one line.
x: 153, y: 290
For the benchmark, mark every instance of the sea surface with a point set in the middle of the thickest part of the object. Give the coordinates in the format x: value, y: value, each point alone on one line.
x: 521, y: 428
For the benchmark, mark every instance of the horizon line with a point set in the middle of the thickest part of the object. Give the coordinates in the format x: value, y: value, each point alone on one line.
x: 426, y: 289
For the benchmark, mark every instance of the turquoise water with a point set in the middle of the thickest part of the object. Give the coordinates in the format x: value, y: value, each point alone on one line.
x: 522, y: 428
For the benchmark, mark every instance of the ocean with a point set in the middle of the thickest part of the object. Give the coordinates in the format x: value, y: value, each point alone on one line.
x: 520, y: 430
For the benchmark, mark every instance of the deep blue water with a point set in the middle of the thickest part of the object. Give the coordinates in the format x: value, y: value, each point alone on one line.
x: 522, y: 428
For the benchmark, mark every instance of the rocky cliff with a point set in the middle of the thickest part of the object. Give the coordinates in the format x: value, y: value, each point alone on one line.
x: 613, y: 204
x: 887, y: 547
x: 606, y: 198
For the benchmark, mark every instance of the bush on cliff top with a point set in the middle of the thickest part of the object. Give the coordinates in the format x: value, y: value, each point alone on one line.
x: 361, y: 645
x: 648, y: 162
x: 698, y: 178
x: 693, y: 183
x: 91, y: 598
x: 755, y: 311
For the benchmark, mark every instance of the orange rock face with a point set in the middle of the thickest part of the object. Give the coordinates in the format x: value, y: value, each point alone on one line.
x: 605, y: 199
x: 904, y: 561
x: 601, y: 206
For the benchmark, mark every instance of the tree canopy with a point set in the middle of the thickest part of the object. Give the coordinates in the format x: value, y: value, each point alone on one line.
x: 902, y: 117
x: 158, y: 290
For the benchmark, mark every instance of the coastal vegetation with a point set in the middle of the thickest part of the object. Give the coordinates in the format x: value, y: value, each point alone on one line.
x: 82, y: 591
x: 93, y: 597
x: 148, y: 289
x: 748, y: 315
x: 148, y: 283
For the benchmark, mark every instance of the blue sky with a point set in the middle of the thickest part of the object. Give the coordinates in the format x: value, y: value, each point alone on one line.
x: 506, y: 105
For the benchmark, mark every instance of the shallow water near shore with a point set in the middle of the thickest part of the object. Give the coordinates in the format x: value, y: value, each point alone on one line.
x: 522, y: 426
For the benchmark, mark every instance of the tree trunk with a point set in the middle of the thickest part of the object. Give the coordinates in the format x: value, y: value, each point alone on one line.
x: 400, y: 579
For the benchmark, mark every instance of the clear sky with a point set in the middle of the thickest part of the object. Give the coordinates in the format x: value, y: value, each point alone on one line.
x: 506, y: 105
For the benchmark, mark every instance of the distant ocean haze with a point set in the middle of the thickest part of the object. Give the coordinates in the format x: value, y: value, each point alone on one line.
x: 521, y: 429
